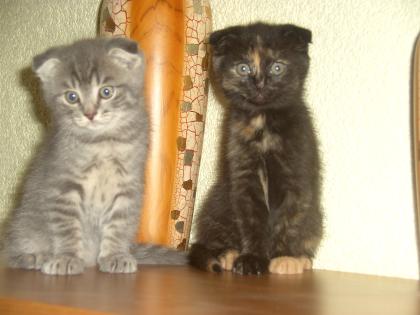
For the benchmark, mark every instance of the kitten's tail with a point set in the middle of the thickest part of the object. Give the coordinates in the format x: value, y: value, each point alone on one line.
x: 203, y: 258
x: 158, y: 255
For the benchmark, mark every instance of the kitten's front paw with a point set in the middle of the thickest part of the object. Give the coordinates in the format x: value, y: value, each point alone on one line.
x: 290, y: 265
x: 118, y: 263
x: 227, y: 259
x: 63, y: 265
x: 249, y: 264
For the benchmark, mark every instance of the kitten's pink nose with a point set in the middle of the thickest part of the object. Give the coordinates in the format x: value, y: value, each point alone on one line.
x: 91, y: 115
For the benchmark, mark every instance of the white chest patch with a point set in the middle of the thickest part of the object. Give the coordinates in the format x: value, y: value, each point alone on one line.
x: 264, y: 184
x: 268, y: 141
x: 101, y: 184
x: 104, y: 177
x: 258, y: 122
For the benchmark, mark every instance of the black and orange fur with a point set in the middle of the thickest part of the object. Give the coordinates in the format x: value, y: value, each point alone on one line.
x: 266, y: 201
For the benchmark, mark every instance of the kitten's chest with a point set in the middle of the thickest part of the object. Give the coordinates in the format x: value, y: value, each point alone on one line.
x: 258, y: 135
x: 104, y: 174
x: 260, y: 142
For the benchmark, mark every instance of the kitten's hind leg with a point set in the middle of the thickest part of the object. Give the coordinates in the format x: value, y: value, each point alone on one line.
x: 290, y: 265
x: 28, y: 261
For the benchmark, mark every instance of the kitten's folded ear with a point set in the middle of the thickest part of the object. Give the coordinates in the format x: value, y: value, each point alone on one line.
x: 125, y: 53
x: 216, y: 36
x: 45, y: 65
x: 223, y: 39
x: 300, y: 36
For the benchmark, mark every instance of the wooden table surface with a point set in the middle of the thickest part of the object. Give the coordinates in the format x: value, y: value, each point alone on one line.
x: 182, y: 290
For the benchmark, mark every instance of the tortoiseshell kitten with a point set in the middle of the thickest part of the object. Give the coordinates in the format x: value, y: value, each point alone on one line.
x: 263, y: 214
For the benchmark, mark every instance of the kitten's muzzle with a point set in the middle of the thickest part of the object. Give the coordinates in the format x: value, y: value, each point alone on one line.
x: 258, y: 99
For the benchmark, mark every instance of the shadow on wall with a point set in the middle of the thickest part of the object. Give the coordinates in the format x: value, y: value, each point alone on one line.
x: 31, y: 83
x: 39, y: 113
x: 414, y: 131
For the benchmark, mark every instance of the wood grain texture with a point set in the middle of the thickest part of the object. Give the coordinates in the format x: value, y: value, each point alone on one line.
x: 12, y: 306
x: 183, y: 290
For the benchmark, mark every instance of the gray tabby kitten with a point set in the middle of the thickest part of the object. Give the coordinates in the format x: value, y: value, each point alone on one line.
x: 81, y: 200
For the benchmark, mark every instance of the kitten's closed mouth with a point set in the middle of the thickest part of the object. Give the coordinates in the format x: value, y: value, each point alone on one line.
x: 87, y: 123
x: 258, y: 99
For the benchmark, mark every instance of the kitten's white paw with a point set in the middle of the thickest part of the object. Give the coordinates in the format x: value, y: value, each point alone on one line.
x: 63, y: 265
x: 118, y: 263
x: 227, y: 259
x: 290, y: 265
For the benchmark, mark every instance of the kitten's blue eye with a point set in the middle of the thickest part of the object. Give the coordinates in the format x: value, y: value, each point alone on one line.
x: 277, y: 68
x: 106, y: 92
x: 243, y: 69
x: 71, y: 97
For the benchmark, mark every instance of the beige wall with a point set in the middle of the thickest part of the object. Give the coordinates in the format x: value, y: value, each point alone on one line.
x: 27, y: 27
x: 358, y: 89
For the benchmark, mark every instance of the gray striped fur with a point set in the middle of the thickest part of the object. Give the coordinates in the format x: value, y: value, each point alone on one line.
x: 81, y: 199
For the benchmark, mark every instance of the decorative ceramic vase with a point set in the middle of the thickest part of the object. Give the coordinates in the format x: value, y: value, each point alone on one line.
x: 173, y: 35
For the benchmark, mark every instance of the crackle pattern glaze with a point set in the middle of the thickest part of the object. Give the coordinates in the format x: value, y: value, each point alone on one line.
x: 131, y: 18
